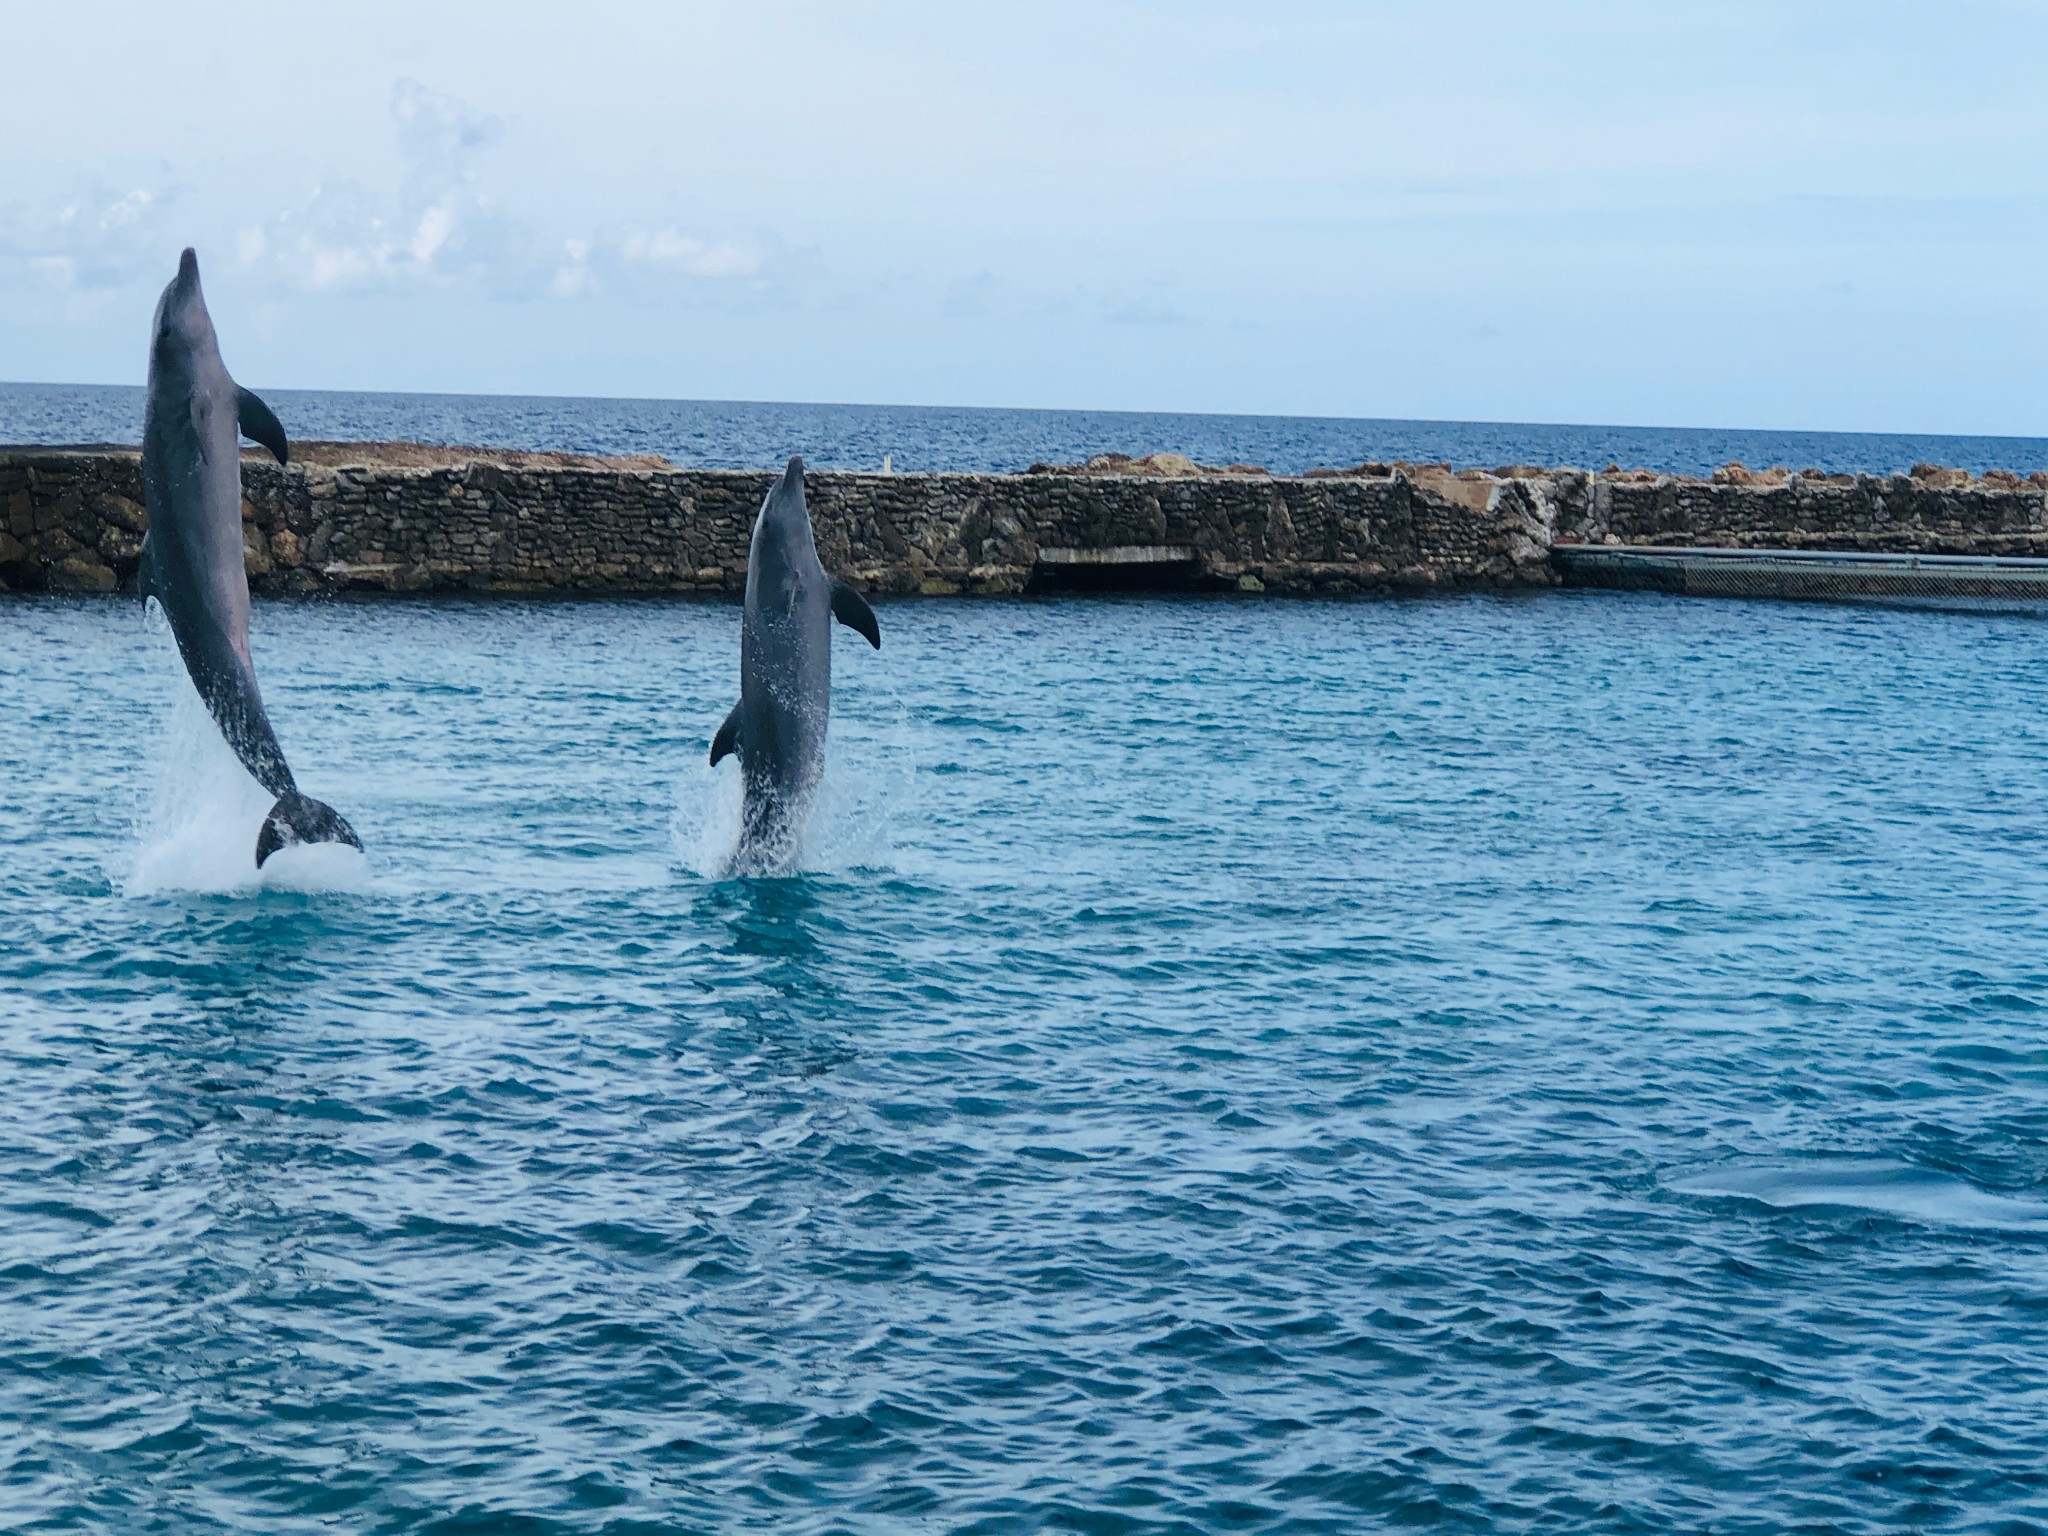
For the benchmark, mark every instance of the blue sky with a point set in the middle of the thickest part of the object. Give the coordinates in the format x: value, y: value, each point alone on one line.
x: 1772, y: 215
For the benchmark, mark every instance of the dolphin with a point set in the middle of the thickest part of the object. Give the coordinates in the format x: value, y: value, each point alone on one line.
x: 778, y: 726
x: 192, y: 554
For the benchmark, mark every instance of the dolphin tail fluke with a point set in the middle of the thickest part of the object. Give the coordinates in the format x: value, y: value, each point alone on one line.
x: 297, y: 819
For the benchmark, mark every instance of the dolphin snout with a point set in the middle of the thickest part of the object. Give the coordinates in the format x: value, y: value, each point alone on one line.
x: 787, y: 493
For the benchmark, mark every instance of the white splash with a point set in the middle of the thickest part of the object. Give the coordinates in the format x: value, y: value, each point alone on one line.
x: 868, y: 794
x: 705, y: 827
x: 201, y: 811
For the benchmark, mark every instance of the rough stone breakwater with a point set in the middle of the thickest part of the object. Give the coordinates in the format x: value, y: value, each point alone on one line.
x: 406, y: 518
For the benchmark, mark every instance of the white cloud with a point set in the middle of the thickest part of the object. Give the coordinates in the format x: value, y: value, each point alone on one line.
x: 653, y: 265
x: 693, y: 257
x: 437, y: 134
x: 438, y: 228
x: 435, y: 227
x: 94, y: 239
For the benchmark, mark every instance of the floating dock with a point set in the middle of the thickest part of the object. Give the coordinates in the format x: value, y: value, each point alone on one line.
x: 1820, y: 574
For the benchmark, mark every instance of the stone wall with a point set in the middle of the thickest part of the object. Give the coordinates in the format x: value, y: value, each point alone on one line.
x: 452, y: 520
x: 1932, y: 511
x: 74, y: 521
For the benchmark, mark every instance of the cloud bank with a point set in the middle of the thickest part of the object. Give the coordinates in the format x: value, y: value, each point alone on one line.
x: 431, y: 228
x: 1749, y: 214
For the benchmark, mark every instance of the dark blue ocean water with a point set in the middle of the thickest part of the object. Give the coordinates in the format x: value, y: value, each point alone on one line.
x: 1568, y: 1063
x: 753, y: 435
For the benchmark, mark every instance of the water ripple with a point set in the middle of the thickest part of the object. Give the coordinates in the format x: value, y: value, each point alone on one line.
x: 1535, y: 1064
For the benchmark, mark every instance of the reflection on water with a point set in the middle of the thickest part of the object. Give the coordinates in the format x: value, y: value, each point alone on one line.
x: 1881, y: 1185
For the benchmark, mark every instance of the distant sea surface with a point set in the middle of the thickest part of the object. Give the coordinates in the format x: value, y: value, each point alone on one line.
x: 741, y: 434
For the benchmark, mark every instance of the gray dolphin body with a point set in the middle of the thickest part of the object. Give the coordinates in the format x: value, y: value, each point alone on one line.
x: 778, y: 726
x: 192, y: 557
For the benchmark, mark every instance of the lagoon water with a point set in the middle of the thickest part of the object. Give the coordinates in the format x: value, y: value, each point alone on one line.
x: 1559, y: 1063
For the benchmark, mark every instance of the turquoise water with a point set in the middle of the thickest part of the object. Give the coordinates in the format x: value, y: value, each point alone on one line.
x: 1562, y: 1063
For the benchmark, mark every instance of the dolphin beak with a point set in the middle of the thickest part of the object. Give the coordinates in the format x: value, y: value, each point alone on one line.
x: 188, y: 265
x: 789, y: 490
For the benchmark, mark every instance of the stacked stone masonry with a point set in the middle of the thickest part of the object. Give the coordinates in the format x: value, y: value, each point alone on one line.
x: 74, y: 521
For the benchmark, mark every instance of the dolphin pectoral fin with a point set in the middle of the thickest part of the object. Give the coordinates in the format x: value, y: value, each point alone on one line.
x: 852, y: 610
x: 259, y: 424
x: 727, y: 741
x: 298, y: 818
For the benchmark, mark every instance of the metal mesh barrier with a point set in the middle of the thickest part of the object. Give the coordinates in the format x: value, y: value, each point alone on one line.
x: 1804, y: 573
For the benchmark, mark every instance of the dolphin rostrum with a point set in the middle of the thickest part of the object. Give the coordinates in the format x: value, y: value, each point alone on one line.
x: 778, y: 726
x: 192, y: 556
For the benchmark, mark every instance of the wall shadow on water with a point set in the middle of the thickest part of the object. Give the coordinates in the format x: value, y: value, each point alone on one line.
x: 1167, y: 576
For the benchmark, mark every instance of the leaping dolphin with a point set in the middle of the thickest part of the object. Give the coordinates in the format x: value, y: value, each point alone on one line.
x: 192, y: 555
x: 778, y: 726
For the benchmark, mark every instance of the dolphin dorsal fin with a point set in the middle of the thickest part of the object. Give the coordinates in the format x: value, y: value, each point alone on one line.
x: 852, y: 610
x: 259, y: 424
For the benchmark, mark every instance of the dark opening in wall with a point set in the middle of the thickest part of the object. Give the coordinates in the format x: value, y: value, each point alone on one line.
x: 1120, y: 568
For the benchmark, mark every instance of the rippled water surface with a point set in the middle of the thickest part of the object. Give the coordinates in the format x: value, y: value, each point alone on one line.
x: 1567, y: 1063
x: 746, y: 434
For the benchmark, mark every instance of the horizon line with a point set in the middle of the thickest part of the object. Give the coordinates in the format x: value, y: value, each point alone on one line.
x: 1086, y: 410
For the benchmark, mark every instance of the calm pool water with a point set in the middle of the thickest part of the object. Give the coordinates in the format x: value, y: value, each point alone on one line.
x: 1563, y: 1063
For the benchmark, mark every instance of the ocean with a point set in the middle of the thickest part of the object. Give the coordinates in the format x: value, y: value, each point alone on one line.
x: 751, y: 435
x: 1559, y: 1062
